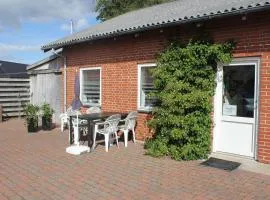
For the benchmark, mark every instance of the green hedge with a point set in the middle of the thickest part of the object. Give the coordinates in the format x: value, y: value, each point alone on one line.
x: 185, y: 83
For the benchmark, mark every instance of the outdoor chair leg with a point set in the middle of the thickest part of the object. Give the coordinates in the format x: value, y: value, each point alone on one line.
x: 126, y: 137
x: 134, y: 139
x: 94, y: 140
x: 111, y: 140
x: 106, y: 142
x: 94, y: 135
x: 116, y: 137
x: 62, y: 126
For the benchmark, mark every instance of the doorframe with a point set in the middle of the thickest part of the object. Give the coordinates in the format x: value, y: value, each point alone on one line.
x: 218, y: 98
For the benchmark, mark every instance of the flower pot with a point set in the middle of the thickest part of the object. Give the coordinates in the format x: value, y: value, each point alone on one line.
x: 46, y: 123
x: 32, y: 125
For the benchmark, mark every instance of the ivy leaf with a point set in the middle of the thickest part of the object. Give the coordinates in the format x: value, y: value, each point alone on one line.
x: 184, y: 81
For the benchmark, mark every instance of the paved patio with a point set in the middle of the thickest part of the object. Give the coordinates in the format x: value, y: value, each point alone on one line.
x: 35, y: 166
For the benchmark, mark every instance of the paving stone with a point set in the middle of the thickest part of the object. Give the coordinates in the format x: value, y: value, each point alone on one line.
x: 36, y: 166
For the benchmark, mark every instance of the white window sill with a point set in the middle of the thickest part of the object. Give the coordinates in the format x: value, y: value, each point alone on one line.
x: 145, y: 110
x: 91, y: 105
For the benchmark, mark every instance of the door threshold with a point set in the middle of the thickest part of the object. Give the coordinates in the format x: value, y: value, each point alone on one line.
x: 247, y: 163
x: 231, y: 156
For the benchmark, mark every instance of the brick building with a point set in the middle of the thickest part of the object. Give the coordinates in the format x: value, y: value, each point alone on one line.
x: 114, y: 58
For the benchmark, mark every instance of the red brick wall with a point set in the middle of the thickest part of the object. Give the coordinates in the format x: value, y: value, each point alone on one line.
x: 119, y: 57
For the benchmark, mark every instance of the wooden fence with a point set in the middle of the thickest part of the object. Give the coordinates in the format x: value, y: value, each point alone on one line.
x: 14, y: 93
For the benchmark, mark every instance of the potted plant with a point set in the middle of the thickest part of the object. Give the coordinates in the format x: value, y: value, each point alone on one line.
x: 47, y: 113
x: 31, y: 116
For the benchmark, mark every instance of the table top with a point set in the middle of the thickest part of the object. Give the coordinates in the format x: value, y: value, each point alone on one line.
x: 101, y: 115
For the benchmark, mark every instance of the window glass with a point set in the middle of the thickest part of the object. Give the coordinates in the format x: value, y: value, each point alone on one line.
x: 147, y: 86
x: 90, y: 87
x: 238, y: 90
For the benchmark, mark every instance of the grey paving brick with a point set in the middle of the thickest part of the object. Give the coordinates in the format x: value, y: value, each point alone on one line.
x: 35, y: 166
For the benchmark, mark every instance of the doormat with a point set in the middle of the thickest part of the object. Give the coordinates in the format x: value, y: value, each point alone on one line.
x: 221, y: 164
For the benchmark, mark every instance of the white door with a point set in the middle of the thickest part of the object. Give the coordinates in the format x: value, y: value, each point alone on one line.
x: 236, y: 108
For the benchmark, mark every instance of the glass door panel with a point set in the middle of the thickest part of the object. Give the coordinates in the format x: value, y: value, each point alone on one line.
x: 238, y: 91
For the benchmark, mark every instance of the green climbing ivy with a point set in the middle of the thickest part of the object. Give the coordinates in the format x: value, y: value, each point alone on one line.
x: 185, y: 83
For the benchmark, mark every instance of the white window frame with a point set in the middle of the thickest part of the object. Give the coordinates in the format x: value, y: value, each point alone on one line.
x: 218, y: 98
x: 140, y: 66
x: 100, y: 83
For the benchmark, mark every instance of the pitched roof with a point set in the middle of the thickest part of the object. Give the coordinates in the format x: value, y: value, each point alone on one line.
x: 166, y: 14
x: 12, y: 70
x: 43, y: 61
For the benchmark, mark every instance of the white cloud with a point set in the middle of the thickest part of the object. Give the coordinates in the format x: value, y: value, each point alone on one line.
x: 65, y: 27
x: 13, y: 47
x: 9, y: 52
x: 77, y: 25
x: 13, y: 12
x: 81, y: 24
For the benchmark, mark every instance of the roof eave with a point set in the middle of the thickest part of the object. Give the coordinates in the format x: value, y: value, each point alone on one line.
x: 41, y: 62
x: 156, y: 26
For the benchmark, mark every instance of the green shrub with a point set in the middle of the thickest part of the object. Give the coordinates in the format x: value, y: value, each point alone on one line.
x: 185, y: 84
x: 157, y: 147
x: 47, y: 111
x: 31, y: 112
x: 31, y: 117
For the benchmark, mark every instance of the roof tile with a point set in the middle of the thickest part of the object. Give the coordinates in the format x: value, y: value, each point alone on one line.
x: 162, y: 14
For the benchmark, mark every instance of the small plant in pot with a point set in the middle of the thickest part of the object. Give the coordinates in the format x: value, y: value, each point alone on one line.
x: 47, y: 113
x: 31, y: 116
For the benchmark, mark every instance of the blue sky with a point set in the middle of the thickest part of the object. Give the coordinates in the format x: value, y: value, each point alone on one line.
x: 29, y: 26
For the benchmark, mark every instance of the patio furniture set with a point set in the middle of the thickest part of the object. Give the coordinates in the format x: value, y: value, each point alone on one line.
x: 95, y: 122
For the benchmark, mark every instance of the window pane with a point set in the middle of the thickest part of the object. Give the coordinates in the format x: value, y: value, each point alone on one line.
x: 90, y: 87
x: 147, y: 87
x: 238, y: 90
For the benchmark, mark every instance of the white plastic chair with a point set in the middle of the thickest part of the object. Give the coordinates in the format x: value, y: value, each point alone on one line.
x: 77, y: 149
x: 64, y: 117
x: 130, y: 123
x: 107, y: 128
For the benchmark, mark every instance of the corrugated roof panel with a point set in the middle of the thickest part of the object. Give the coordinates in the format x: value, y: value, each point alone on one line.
x: 159, y: 15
